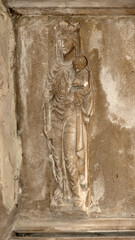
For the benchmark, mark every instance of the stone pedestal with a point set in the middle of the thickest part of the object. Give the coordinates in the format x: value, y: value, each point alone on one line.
x: 79, y: 229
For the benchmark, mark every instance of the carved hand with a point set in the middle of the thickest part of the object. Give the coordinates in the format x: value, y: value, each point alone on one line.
x: 47, y: 133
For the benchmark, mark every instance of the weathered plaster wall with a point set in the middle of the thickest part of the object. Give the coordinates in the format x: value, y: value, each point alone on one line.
x: 32, y: 44
x: 109, y: 46
x: 10, y: 146
x: 108, y: 43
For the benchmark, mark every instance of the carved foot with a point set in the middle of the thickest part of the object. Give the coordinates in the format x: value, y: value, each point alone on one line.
x: 58, y: 196
x: 80, y: 201
x: 77, y: 202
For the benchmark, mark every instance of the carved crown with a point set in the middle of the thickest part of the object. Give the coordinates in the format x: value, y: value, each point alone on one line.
x: 66, y: 28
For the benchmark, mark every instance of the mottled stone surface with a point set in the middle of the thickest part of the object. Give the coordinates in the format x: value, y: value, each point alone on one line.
x: 71, y: 3
x: 108, y: 44
x: 30, y: 86
x: 107, y: 41
x: 10, y: 148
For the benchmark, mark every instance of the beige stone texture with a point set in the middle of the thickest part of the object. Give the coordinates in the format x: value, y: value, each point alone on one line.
x: 10, y: 145
x: 108, y: 44
x: 71, y: 3
x: 30, y: 86
x: 28, y: 50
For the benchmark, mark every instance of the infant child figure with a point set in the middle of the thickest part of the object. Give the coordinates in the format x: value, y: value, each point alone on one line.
x: 81, y: 81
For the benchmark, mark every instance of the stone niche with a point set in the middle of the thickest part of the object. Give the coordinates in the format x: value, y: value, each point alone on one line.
x: 67, y: 97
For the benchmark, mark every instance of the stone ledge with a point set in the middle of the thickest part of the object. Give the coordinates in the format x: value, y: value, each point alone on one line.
x: 92, y: 224
x: 80, y: 229
x: 71, y: 3
x: 74, y: 238
x: 70, y: 7
x: 98, y: 12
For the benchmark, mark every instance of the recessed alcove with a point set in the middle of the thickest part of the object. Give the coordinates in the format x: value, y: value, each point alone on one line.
x: 67, y: 95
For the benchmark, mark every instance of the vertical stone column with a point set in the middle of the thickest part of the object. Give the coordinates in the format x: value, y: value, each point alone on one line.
x: 10, y: 145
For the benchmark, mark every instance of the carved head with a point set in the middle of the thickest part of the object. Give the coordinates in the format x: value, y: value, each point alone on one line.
x: 79, y: 63
x: 66, y: 45
x: 67, y: 36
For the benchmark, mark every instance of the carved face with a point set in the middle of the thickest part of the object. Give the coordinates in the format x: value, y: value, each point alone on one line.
x: 66, y: 45
x: 79, y: 63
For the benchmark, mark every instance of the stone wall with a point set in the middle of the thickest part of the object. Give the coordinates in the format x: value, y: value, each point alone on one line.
x: 10, y: 145
x: 26, y: 56
x: 108, y: 44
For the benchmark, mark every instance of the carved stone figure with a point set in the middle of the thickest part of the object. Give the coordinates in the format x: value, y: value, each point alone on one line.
x: 68, y: 107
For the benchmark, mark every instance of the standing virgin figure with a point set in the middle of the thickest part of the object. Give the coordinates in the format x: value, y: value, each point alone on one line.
x: 68, y: 107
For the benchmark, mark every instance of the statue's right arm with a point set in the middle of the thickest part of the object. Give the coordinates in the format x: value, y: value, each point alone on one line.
x: 47, y: 118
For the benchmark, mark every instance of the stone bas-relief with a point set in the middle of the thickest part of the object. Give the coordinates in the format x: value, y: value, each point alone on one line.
x: 68, y: 108
x: 48, y: 64
x: 77, y: 164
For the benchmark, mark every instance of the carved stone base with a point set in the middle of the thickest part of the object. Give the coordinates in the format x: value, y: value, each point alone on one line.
x: 75, y: 238
x: 67, y: 210
x: 70, y: 209
x: 107, y: 229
